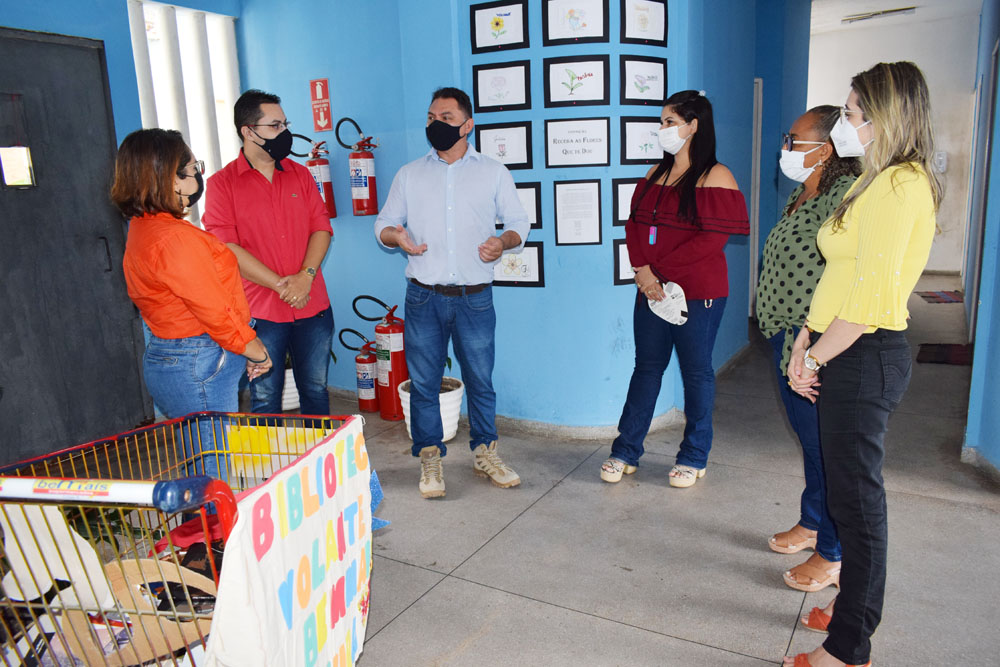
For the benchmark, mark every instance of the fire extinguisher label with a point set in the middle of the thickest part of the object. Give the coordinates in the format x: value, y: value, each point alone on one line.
x: 361, y: 170
x: 321, y: 175
x: 366, y: 381
x: 383, y: 354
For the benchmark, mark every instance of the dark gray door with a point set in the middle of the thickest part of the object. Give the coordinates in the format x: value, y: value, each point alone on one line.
x: 70, y: 339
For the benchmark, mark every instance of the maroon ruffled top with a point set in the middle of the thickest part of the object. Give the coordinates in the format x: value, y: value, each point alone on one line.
x: 687, y: 252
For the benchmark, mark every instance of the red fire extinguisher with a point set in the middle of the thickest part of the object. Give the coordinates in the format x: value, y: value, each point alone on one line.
x: 391, y: 359
x: 364, y: 198
x: 365, y: 366
x: 319, y: 167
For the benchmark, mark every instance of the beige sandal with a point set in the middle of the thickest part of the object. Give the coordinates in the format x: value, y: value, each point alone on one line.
x: 817, y: 570
x: 613, y: 469
x: 793, y: 541
x: 683, y: 476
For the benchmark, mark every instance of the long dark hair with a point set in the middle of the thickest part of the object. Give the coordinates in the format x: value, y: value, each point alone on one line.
x: 689, y: 105
x: 147, y: 162
x: 825, y: 117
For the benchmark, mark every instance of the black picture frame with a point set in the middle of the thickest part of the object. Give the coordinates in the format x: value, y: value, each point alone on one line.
x: 547, y: 40
x: 572, y: 165
x: 478, y: 94
x: 560, y: 240
x: 487, y: 128
x: 536, y: 186
x: 624, y: 123
x: 618, y: 279
x: 486, y: 6
x: 549, y: 63
x: 500, y: 281
x: 625, y: 27
x: 626, y: 83
x: 616, y: 219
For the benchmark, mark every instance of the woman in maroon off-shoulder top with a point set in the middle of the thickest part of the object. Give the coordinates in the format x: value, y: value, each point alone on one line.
x: 682, y: 215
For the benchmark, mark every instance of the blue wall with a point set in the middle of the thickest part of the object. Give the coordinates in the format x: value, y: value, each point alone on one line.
x: 984, y: 415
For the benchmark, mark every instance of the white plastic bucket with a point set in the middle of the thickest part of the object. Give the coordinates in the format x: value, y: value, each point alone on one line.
x: 451, y: 406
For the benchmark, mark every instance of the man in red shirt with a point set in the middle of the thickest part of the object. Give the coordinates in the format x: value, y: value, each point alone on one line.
x: 267, y: 209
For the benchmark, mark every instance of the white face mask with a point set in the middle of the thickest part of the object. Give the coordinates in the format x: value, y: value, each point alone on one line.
x: 670, y: 139
x: 792, y: 163
x: 845, y: 138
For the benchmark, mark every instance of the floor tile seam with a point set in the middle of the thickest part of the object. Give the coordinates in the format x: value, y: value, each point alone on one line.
x: 419, y: 567
x: 609, y: 620
x: 950, y: 501
x: 526, y: 509
x: 404, y: 609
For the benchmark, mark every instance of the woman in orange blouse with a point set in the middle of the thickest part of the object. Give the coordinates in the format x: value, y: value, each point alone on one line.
x: 186, y: 284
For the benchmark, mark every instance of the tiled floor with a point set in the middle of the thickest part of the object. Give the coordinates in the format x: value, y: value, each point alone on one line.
x: 568, y: 570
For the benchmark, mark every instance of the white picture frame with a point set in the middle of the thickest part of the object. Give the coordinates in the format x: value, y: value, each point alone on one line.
x: 640, y: 140
x: 524, y: 268
x: 508, y: 143
x: 574, y: 21
x: 622, y: 190
x: 494, y: 26
x: 502, y: 86
x: 578, y: 212
x: 623, y: 273
x: 576, y: 80
x: 577, y: 142
x: 644, y: 22
x: 643, y: 80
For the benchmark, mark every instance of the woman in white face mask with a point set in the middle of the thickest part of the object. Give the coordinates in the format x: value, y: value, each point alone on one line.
x: 851, y: 356
x: 682, y: 215
x: 791, y: 268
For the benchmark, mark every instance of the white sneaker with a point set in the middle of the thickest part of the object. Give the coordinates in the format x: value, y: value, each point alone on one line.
x: 431, y: 473
x: 488, y: 464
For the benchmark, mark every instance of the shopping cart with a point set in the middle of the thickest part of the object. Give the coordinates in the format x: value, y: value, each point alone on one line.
x: 111, y: 549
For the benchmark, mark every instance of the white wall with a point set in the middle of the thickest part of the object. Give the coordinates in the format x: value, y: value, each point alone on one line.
x: 946, y: 52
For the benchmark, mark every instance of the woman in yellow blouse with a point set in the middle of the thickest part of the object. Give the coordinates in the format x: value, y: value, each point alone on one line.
x: 876, y: 245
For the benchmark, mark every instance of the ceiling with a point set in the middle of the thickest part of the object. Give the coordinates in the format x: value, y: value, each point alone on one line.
x: 826, y: 14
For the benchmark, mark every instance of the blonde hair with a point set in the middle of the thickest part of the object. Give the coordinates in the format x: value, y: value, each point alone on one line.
x: 894, y: 97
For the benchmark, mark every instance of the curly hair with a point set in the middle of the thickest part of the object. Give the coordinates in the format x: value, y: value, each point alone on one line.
x: 824, y: 118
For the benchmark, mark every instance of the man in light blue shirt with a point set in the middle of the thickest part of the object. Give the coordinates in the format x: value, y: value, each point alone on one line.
x: 442, y: 211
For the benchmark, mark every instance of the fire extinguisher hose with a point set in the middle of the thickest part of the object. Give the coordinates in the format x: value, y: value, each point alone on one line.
x: 314, y: 151
x: 364, y: 143
x: 367, y: 297
x: 356, y: 333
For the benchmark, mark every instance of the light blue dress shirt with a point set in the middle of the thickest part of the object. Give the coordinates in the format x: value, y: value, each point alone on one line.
x: 452, y: 208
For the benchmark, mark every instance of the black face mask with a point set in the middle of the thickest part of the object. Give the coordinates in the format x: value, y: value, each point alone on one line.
x: 443, y: 136
x: 196, y: 195
x: 279, y: 147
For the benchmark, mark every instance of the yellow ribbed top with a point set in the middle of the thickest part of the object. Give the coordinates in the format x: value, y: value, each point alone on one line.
x: 873, y: 262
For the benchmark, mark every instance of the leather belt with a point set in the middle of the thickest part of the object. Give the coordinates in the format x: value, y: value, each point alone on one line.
x: 452, y: 290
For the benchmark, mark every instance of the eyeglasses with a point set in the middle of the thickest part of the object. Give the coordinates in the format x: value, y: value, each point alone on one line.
x: 787, y: 142
x: 845, y: 112
x: 277, y: 125
x: 199, y: 168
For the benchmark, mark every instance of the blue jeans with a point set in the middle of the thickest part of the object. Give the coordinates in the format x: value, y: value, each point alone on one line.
x: 185, y: 375
x: 470, y: 322
x: 861, y: 387
x: 308, y: 342
x: 804, y: 418
x: 655, y: 340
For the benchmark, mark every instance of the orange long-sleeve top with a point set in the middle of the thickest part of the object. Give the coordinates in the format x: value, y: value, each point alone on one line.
x: 185, y: 282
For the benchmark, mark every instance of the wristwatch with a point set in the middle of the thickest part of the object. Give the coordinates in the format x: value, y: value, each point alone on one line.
x: 310, y: 271
x: 811, y: 362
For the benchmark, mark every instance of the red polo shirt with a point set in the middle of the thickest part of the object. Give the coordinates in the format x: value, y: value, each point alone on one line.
x: 272, y: 220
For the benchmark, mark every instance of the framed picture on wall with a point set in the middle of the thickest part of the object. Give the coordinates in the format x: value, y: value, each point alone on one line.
x: 622, y: 189
x: 574, y: 21
x: 495, y: 26
x: 521, y: 269
x: 509, y: 143
x: 531, y: 199
x: 578, y: 212
x: 640, y: 140
x: 623, y: 268
x: 643, y: 80
x: 577, y: 142
x: 644, y: 22
x: 576, y: 81
x: 502, y: 86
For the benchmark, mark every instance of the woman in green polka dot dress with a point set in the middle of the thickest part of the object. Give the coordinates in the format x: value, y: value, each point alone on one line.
x: 789, y: 273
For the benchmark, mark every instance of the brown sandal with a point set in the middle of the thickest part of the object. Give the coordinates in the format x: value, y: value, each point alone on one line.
x: 817, y: 570
x: 793, y: 541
